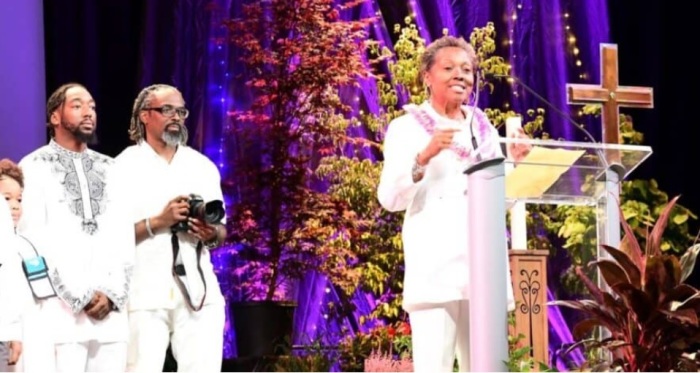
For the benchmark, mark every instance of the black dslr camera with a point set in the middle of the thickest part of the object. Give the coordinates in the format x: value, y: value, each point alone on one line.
x: 210, y: 212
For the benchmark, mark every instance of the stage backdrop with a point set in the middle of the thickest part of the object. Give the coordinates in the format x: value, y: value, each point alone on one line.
x: 21, y: 78
x: 117, y: 47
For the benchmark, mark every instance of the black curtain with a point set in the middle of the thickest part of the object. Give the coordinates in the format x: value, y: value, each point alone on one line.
x: 654, y: 39
x: 96, y: 43
x: 118, y: 47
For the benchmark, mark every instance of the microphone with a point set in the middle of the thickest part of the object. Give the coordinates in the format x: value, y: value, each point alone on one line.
x: 563, y: 115
x: 475, y: 145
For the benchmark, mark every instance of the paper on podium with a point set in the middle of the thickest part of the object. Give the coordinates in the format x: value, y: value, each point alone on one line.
x: 540, y: 169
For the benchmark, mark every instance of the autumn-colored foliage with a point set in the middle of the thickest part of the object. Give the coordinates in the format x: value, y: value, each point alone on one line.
x: 297, y: 55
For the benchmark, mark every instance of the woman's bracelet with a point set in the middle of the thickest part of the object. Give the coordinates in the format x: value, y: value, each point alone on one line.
x: 418, y: 170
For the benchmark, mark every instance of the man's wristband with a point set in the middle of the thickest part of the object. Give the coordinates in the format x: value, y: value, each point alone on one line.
x: 214, y: 242
x: 148, y: 227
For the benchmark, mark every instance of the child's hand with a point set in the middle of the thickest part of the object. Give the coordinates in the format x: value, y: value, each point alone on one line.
x: 15, y: 352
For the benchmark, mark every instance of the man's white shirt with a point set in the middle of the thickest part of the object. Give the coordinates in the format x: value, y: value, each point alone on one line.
x: 151, y: 182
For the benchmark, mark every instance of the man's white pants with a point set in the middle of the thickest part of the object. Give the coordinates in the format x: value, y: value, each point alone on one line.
x: 438, y: 332
x: 197, y: 338
x: 91, y: 356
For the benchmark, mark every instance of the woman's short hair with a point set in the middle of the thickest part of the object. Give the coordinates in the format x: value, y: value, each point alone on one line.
x: 427, y: 60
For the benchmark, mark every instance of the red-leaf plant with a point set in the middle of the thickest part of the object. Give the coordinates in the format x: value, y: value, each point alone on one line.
x: 297, y: 55
x: 651, y: 315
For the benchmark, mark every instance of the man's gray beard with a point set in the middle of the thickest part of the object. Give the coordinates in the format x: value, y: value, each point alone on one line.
x: 174, y: 138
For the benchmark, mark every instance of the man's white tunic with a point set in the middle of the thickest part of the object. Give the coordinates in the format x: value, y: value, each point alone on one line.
x: 69, y: 202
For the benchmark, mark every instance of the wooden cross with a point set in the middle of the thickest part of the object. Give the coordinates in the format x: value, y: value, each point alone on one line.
x: 610, y: 94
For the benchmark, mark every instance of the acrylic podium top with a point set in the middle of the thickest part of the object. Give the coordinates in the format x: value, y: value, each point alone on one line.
x: 570, y: 173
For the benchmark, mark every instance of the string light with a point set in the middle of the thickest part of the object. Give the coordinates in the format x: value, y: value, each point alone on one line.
x: 572, y: 47
x: 511, y: 15
x: 216, y: 152
x: 511, y: 27
x: 222, y: 54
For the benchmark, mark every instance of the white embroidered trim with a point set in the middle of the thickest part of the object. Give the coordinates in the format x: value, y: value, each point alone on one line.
x: 76, y: 302
x: 120, y: 298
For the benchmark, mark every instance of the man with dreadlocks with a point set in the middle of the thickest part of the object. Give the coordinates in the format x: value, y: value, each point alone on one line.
x: 175, y: 295
x: 69, y: 201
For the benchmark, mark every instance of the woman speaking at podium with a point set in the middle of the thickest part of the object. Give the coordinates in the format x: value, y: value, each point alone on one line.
x: 426, y: 151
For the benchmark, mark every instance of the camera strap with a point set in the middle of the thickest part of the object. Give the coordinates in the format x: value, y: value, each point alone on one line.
x: 179, y: 272
x: 36, y: 271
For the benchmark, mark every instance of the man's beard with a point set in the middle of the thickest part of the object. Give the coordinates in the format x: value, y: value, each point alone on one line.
x: 89, y: 138
x: 174, y: 138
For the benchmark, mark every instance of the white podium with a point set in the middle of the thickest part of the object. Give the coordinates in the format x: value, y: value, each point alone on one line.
x: 555, y: 172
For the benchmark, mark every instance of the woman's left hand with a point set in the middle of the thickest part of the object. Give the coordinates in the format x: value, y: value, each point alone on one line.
x: 519, y: 151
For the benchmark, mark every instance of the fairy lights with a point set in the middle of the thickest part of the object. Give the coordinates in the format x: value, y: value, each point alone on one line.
x: 572, y: 47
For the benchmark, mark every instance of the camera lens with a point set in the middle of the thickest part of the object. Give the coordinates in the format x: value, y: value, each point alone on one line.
x: 213, y: 212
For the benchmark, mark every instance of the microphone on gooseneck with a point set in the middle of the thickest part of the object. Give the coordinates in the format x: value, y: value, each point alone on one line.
x: 565, y: 116
x: 475, y: 145
x: 562, y: 114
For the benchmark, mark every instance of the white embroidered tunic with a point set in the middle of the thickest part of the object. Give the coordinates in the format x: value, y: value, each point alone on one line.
x: 69, y: 204
x: 151, y: 184
x: 435, y: 230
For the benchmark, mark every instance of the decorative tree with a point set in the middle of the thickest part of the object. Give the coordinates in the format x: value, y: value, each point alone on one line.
x: 298, y: 53
x: 353, y: 176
